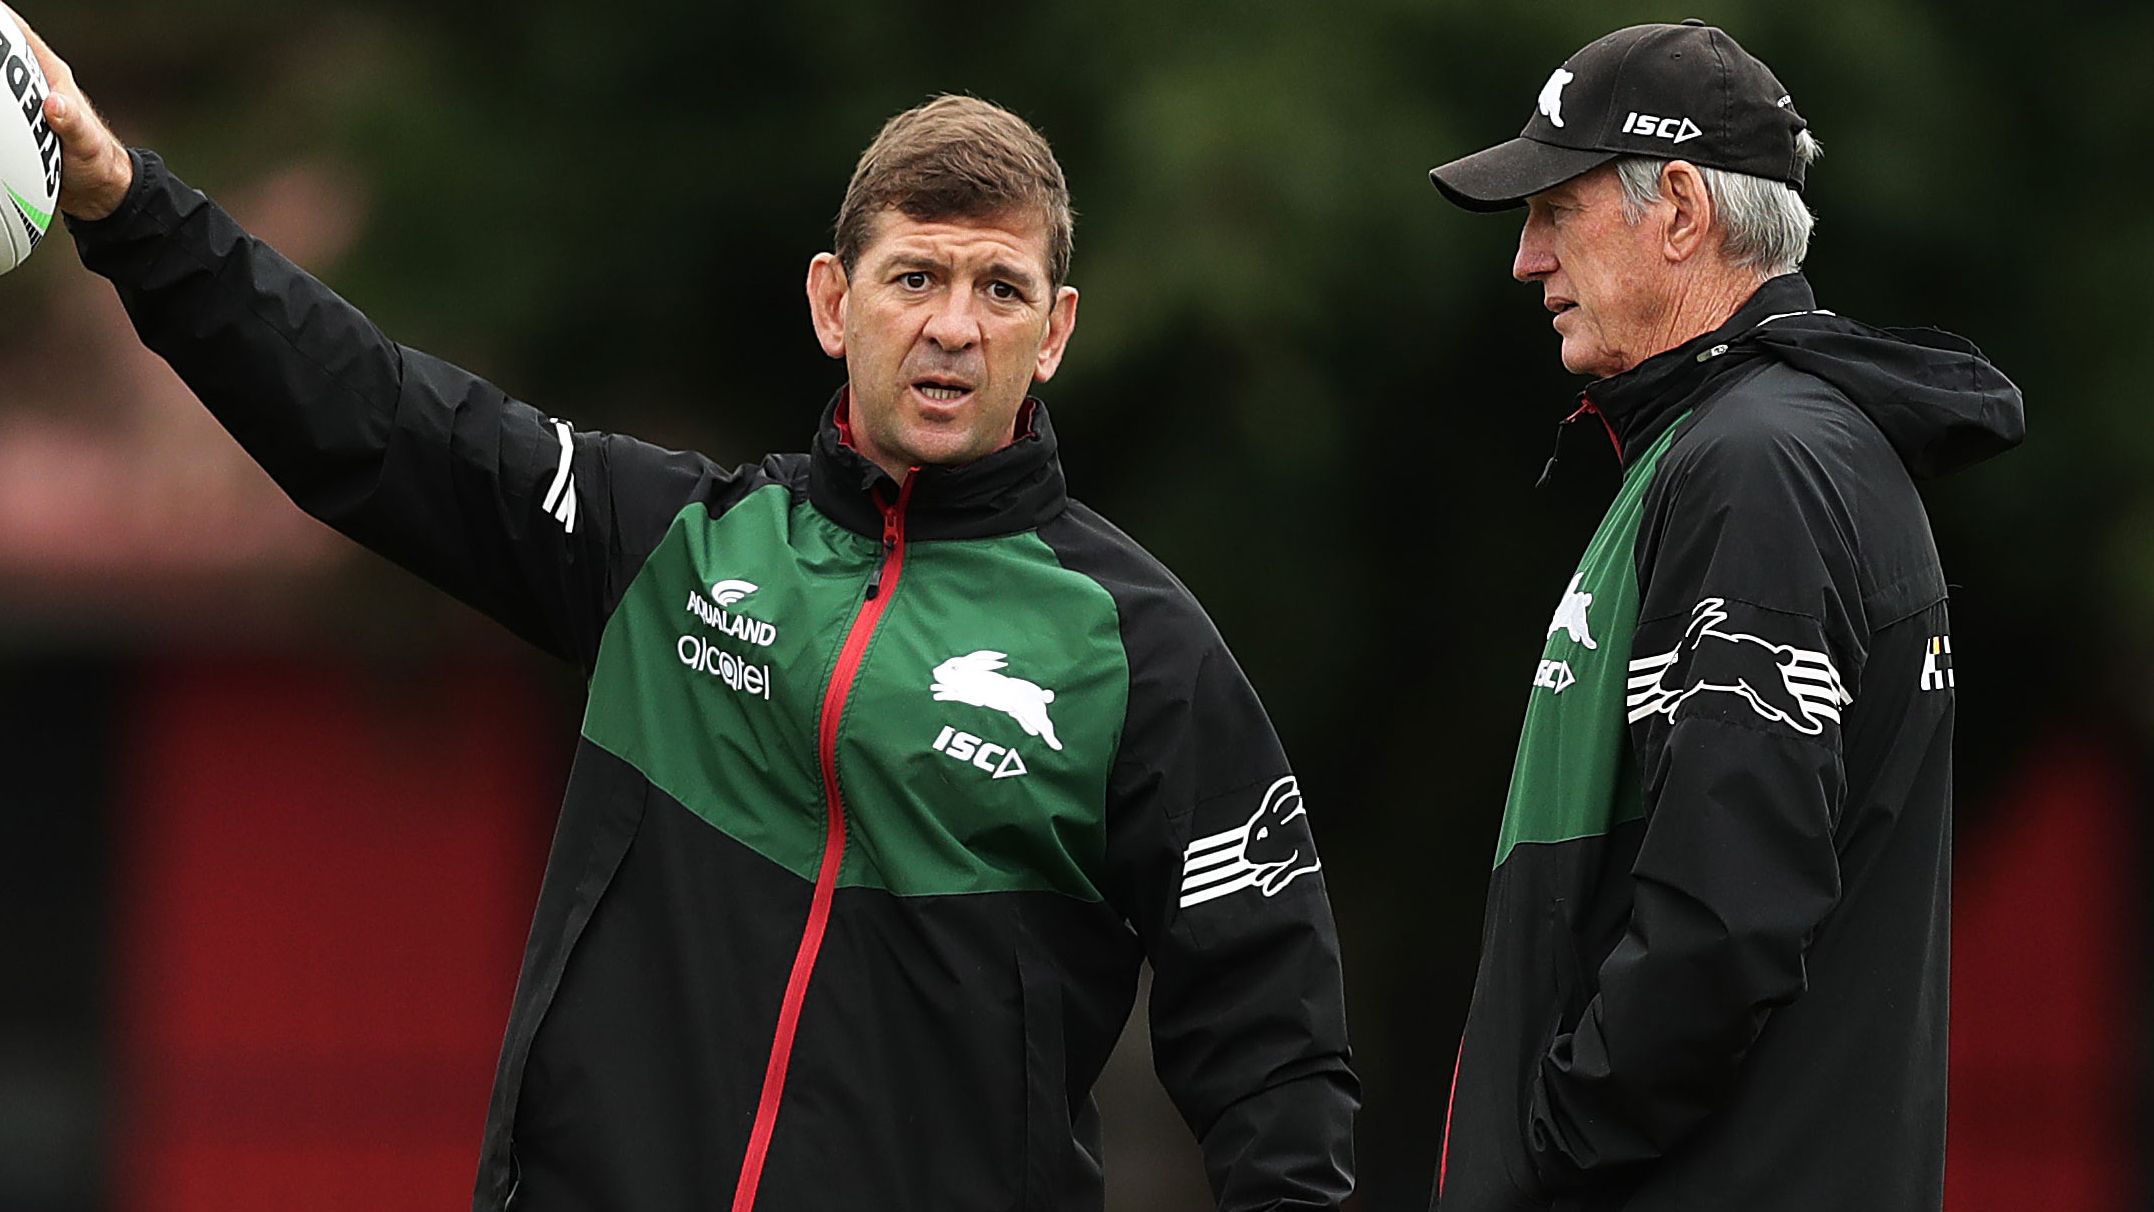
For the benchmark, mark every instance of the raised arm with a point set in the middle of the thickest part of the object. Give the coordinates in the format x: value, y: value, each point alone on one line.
x: 512, y: 511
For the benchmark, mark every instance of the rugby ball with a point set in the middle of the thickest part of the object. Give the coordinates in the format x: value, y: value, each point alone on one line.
x: 29, y: 151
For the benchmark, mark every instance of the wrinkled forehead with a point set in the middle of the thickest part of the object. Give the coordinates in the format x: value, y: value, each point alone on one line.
x: 1011, y: 243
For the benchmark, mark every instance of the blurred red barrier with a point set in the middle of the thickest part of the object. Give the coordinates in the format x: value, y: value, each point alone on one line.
x: 2047, y: 971
x: 326, y: 875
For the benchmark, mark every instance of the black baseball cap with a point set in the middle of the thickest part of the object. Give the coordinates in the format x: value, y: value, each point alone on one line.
x: 1676, y: 92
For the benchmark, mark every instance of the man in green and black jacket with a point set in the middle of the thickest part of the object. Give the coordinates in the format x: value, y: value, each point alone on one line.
x: 897, y: 764
x: 1713, y: 968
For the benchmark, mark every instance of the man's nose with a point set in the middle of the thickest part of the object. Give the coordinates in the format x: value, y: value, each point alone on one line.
x: 1534, y: 259
x: 955, y: 324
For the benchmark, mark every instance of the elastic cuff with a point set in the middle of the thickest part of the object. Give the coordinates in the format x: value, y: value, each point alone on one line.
x: 144, y: 162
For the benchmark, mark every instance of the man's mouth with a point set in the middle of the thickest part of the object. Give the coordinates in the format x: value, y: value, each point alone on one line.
x: 942, y: 391
x: 1558, y: 304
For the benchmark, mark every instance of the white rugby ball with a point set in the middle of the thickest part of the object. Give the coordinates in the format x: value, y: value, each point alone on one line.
x: 29, y: 151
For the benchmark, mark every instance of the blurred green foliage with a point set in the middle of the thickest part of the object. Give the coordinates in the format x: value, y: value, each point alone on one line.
x: 1307, y: 384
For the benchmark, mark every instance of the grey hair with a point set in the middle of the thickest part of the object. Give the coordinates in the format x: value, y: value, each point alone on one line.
x: 1765, y: 223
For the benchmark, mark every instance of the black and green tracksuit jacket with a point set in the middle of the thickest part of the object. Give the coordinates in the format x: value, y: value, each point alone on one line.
x: 883, y: 795
x: 1713, y: 967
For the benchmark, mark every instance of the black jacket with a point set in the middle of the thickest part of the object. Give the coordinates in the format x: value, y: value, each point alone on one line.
x: 883, y: 795
x: 1713, y: 970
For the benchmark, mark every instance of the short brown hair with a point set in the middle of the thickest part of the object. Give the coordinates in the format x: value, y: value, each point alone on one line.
x: 956, y: 157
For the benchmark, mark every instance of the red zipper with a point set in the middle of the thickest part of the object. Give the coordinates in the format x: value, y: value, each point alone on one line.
x: 882, y: 582
x: 1450, y: 1109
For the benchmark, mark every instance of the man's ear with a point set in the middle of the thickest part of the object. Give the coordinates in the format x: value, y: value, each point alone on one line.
x: 828, y: 289
x: 1692, y: 221
x: 1061, y: 322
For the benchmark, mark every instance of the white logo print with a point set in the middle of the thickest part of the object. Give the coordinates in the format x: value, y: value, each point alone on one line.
x: 1271, y: 850
x: 1937, y: 671
x: 1674, y: 130
x: 1552, y: 95
x: 700, y: 654
x: 1571, y: 614
x: 560, y: 502
x: 727, y: 593
x: 1556, y: 675
x: 972, y: 679
x: 712, y: 610
x: 980, y: 755
x: 744, y: 677
x: 1789, y: 685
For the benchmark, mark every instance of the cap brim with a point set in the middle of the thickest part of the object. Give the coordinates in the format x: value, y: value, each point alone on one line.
x: 1505, y: 175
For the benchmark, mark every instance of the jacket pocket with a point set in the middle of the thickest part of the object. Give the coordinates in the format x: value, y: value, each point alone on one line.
x: 1568, y: 992
x: 1567, y: 970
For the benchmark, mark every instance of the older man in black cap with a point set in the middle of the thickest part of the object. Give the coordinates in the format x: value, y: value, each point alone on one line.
x: 1713, y: 971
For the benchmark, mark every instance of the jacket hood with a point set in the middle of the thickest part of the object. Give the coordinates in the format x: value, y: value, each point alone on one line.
x: 1936, y: 398
x: 1940, y: 403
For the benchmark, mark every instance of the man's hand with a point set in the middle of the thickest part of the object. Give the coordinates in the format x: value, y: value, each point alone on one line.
x: 95, y: 170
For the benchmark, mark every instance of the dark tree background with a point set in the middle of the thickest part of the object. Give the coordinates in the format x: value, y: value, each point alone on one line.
x: 1301, y: 379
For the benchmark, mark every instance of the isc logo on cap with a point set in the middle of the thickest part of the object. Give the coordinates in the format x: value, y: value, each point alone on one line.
x: 1674, y: 130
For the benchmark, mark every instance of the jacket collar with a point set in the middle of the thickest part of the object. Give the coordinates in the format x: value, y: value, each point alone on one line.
x: 1638, y: 405
x: 1015, y: 489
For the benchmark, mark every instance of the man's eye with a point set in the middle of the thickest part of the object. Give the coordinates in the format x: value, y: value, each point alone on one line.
x: 1004, y: 291
x: 916, y: 280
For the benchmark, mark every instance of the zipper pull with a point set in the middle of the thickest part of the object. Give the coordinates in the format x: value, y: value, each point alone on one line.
x: 875, y: 576
x: 1548, y: 471
x: 891, y: 516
